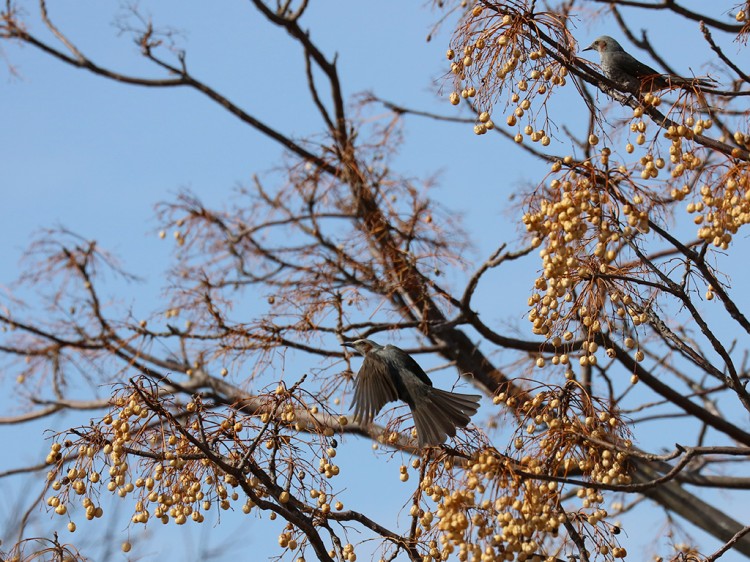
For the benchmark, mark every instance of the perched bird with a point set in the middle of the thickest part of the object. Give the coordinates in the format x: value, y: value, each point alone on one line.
x: 388, y: 374
x: 632, y: 75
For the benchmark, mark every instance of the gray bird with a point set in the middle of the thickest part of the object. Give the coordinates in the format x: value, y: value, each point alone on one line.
x: 388, y: 374
x: 632, y: 75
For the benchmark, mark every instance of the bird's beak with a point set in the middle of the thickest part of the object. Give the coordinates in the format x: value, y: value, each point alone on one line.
x: 348, y: 344
x: 589, y: 48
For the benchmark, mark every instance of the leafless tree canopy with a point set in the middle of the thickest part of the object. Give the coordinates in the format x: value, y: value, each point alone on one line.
x: 636, y: 200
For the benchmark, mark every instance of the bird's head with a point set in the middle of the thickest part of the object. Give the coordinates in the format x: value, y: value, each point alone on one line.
x: 363, y: 346
x: 604, y: 44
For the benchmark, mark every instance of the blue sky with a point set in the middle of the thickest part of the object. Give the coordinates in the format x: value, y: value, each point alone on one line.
x: 96, y: 156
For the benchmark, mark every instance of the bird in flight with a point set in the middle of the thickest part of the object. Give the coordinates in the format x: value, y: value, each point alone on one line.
x: 389, y: 374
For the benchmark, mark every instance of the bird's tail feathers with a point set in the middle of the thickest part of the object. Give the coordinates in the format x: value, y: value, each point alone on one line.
x: 440, y: 412
x: 701, y: 81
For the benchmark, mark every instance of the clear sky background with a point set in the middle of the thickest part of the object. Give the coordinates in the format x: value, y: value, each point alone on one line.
x: 96, y: 156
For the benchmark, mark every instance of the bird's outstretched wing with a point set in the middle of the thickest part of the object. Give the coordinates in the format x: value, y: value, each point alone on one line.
x: 374, y: 388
